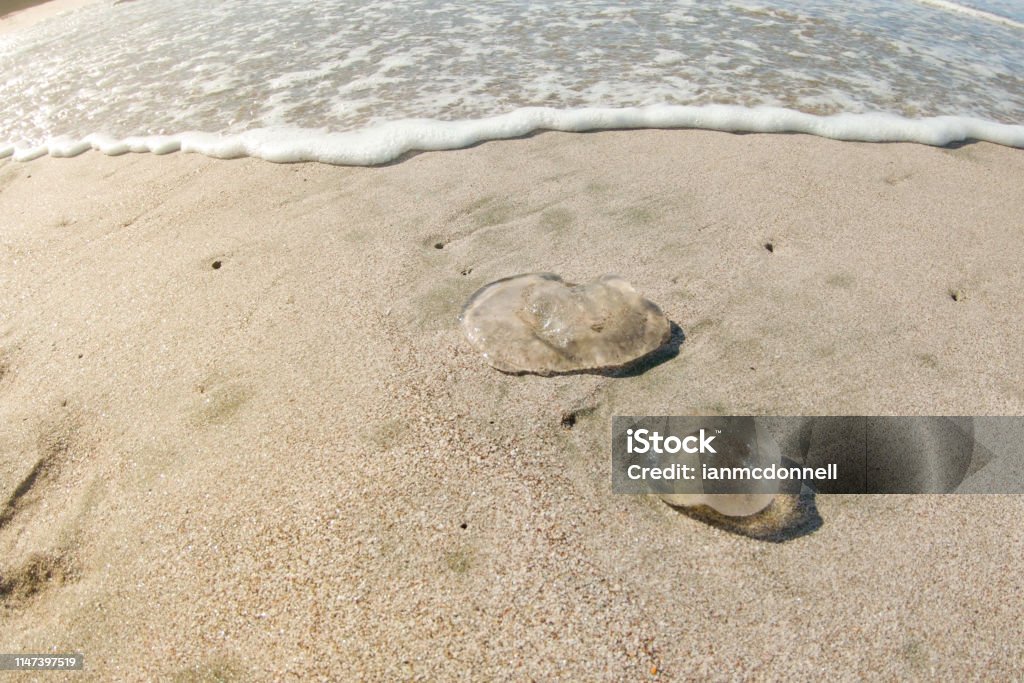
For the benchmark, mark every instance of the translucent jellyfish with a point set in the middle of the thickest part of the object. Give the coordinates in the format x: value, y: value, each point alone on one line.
x: 744, y: 445
x: 538, y: 323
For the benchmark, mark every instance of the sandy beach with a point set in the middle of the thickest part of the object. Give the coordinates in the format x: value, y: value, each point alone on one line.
x: 16, y: 15
x: 243, y: 437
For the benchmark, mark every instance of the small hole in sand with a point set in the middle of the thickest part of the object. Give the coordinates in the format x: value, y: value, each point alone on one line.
x: 80, y: 355
x: 568, y: 420
x: 463, y: 526
x: 216, y: 265
x: 770, y: 247
x: 439, y: 245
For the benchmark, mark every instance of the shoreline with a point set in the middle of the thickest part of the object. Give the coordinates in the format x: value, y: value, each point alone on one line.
x: 396, y: 141
x: 258, y: 435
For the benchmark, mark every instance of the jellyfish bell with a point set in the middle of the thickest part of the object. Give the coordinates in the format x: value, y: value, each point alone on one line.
x: 538, y: 323
x: 728, y: 504
x: 744, y: 447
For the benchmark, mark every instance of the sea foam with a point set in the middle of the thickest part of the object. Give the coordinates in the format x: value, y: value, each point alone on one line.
x: 974, y: 12
x: 388, y: 141
x: 353, y: 82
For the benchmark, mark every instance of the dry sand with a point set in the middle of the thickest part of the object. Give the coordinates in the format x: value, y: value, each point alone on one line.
x: 293, y: 465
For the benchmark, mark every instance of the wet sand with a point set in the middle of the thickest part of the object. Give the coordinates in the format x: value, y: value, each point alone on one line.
x: 242, y: 436
x: 16, y: 15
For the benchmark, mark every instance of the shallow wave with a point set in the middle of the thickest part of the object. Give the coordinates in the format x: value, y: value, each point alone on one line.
x: 262, y: 73
x: 973, y: 12
x: 388, y: 141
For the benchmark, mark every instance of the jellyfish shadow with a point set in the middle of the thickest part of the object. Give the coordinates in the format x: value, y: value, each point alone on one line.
x: 791, y: 515
x: 658, y: 356
x: 634, y: 368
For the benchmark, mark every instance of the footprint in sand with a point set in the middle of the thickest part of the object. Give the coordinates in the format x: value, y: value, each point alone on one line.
x: 28, y: 580
x: 54, y: 448
x: 217, y: 400
x: 21, y: 581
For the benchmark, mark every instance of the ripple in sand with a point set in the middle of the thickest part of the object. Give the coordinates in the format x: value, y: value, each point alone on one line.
x: 538, y: 323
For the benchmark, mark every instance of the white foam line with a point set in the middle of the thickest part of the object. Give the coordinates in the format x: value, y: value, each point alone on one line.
x: 388, y: 141
x: 970, y: 11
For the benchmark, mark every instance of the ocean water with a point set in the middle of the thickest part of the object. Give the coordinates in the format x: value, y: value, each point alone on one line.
x: 355, y: 82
